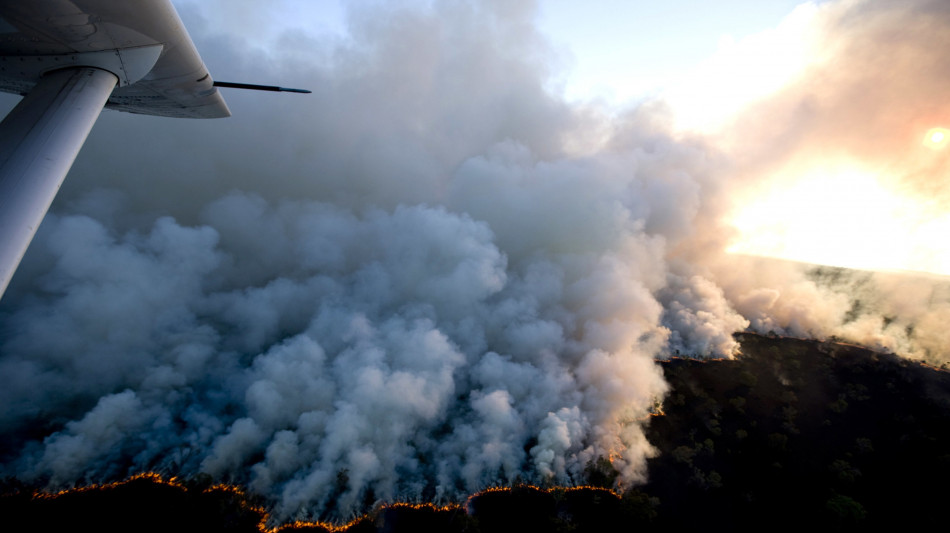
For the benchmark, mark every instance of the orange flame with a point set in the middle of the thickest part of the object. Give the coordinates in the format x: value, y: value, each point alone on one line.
x: 300, y: 524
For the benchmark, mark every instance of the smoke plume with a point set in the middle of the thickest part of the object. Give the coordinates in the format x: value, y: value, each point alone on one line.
x: 431, y: 276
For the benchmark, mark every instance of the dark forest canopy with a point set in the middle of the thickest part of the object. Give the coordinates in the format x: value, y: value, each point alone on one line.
x: 792, y: 431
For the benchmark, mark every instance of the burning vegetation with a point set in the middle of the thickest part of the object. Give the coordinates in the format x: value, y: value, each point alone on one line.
x: 800, y: 431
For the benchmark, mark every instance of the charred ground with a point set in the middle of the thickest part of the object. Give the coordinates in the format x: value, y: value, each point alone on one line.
x: 790, y: 433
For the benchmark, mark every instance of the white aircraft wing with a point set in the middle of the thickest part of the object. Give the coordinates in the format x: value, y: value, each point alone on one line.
x: 69, y: 58
x: 40, y: 35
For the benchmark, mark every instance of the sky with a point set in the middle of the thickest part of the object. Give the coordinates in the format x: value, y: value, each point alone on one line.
x: 718, y: 59
x: 453, y: 265
x: 623, y: 51
x: 708, y: 62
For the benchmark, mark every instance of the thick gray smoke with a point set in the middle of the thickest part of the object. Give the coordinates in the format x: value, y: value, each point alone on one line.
x: 402, y: 287
x: 412, y: 284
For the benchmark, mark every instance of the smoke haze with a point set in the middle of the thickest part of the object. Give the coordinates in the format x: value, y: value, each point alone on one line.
x: 432, y: 275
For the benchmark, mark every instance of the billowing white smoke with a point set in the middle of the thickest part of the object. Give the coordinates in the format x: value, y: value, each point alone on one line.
x: 327, y: 358
x: 412, y: 286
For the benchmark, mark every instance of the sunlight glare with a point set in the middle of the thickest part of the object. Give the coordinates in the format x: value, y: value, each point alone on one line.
x: 843, y: 218
x: 937, y: 138
x: 743, y: 71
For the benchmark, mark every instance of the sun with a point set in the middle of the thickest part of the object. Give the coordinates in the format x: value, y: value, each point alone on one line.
x: 937, y: 138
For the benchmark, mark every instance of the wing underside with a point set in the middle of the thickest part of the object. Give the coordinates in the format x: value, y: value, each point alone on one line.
x: 38, y: 36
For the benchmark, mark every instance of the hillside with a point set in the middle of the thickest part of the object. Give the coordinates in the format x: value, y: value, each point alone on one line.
x: 801, y: 432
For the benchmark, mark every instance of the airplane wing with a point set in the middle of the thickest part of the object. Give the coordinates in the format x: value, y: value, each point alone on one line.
x: 70, y: 58
x: 37, y: 36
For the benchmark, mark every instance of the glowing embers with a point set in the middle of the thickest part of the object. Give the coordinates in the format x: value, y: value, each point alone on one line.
x: 195, y: 504
x: 937, y: 138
